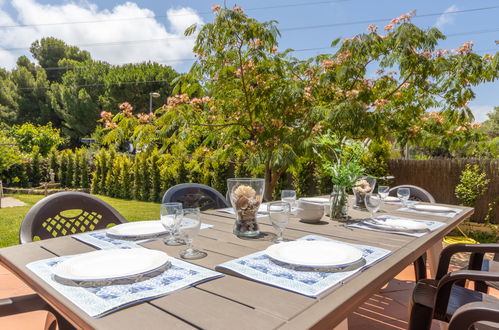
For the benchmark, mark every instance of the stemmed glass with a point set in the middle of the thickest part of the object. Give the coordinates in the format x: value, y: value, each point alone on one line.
x: 403, y: 194
x: 373, y: 202
x: 170, y: 217
x: 383, y: 192
x: 289, y: 196
x: 279, y: 214
x: 189, y: 228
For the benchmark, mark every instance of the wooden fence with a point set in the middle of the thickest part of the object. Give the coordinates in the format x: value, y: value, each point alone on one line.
x: 440, y: 177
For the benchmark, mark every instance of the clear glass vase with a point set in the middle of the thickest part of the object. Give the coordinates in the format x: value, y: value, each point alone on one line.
x: 363, y: 186
x: 339, y: 204
x: 246, y: 195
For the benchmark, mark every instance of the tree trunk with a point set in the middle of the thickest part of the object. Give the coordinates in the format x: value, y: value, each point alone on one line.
x: 271, y: 179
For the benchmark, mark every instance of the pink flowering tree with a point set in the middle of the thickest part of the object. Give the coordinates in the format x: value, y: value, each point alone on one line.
x: 258, y: 105
x: 383, y: 84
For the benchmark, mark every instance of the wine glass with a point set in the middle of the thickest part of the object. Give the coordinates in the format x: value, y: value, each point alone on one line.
x: 383, y: 192
x: 279, y: 214
x: 170, y: 217
x: 289, y: 196
x: 189, y: 228
x: 403, y: 194
x: 373, y: 202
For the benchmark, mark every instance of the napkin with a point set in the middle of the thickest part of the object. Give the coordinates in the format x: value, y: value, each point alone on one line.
x: 449, y: 214
x: 432, y: 225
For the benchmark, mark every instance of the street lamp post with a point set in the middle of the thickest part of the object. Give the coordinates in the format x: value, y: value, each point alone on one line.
x: 151, y: 95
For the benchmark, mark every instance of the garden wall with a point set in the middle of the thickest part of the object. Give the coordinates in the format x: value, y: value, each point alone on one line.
x: 440, y: 177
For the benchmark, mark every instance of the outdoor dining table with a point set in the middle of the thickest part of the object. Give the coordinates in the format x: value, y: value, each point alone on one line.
x: 234, y: 302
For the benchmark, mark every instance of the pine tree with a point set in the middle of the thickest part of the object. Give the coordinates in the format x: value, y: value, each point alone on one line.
x: 36, y: 171
x: 77, y: 169
x: 155, y: 177
x: 84, y: 168
x: 70, y: 168
x: 137, y: 178
x: 63, y: 168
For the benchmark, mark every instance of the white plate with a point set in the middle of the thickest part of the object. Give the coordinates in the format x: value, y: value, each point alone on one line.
x: 392, y: 199
x: 316, y: 254
x: 110, y: 264
x: 397, y: 224
x: 137, y: 230
x: 432, y: 208
x: 319, y: 200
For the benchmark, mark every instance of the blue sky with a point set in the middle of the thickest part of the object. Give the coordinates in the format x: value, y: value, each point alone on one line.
x: 303, y: 25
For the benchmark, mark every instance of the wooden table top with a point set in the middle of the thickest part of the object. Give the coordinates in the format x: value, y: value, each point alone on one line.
x: 233, y: 302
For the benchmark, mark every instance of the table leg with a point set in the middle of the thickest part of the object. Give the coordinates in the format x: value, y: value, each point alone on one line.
x: 433, y: 257
x: 342, y: 326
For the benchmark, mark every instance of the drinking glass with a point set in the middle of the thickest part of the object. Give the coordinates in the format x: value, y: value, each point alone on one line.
x: 383, y: 192
x: 279, y: 214
x: 170, y: 217
x: 373, y: 202
x: 189, y: 229
x: 289, y: 196
x: 403, y: 194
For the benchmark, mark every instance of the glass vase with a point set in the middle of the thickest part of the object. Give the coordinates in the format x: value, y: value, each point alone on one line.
x: 339, y: 204
x: 245, y: 196
x: 363, y: 186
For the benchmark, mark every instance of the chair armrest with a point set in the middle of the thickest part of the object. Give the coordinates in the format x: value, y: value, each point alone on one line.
x: 476, y: 259
x: 445, y: 286
x: 470, y: 313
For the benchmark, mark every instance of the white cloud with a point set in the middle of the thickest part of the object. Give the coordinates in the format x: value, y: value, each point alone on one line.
x: 114, y: 27
x: 446, y: 18
x: 480, y: 112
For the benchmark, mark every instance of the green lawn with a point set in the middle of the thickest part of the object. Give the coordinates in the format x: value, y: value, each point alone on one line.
x: 11, y: 217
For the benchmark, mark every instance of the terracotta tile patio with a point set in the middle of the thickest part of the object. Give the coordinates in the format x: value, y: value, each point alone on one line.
x: 386, y: 310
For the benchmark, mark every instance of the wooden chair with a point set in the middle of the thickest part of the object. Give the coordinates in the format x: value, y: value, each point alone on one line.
x: 193, y: 195
x: 48, y: 218
x: 473, y: 316
x: 439, y: 298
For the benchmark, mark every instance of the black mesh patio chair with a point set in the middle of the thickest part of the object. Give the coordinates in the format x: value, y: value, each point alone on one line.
x: 193, y: 195
x: 439, y: 298
x: 417, y: 193
x: 49, y: 218
x: 477, y: 315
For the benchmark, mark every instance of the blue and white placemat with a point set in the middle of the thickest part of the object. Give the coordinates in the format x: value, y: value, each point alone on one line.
x: 259, y: 267
x: 100, y: 240
x: 432, y: 225
x: 450, y: 214
x: 100, y: 301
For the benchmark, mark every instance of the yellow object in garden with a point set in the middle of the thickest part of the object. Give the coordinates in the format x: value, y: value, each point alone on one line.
x: 459, y: 239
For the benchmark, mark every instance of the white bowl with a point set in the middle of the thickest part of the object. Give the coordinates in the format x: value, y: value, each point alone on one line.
x: 310, y: 212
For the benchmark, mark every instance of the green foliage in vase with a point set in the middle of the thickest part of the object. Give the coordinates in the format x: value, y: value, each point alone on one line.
x: 473, y: 183
x: 341, y: 159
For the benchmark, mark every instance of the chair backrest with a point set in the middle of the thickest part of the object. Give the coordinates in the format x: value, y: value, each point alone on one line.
x: 417, y: 193
x: 49, y: 217
x: 195, y: 195
x: 467, y: 316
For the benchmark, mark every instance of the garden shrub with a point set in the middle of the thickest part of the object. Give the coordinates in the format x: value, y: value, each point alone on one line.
x: 155, y: 173
x: 36, y: 172
x: 472, y: 184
